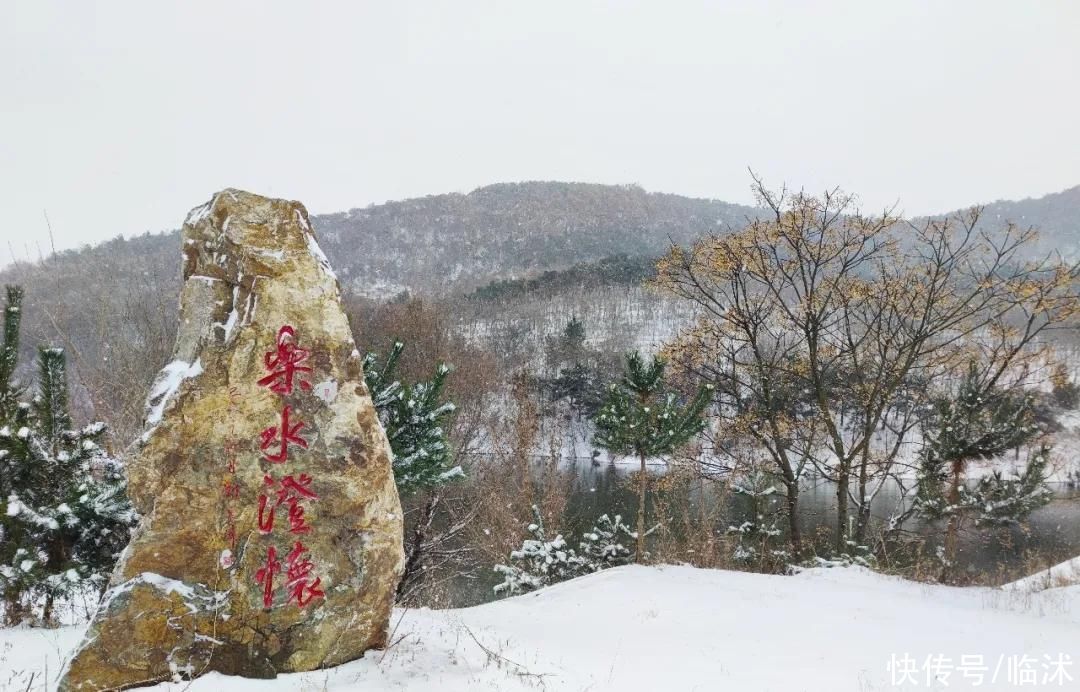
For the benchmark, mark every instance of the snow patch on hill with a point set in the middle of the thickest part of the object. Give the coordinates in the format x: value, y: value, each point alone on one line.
x: 676, y: 628
x: 1064, y: 574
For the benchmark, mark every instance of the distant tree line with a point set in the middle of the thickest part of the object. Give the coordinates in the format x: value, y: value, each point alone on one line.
x: 617, y: 270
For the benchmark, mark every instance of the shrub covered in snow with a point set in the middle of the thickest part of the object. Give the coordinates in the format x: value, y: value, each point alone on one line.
x: 540, y: 561
x: 756, y: 539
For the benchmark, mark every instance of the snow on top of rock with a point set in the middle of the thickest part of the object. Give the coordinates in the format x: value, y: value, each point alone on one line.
x: 302, y: 221
x: 196, y: 598
x: 234, y: 315
x: 313, y: 247
x: 198, y: 213
x: 166, y: 384
x: 272, y: 254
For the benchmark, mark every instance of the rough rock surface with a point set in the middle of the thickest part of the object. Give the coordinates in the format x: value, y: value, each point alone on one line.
x: 264, y: 547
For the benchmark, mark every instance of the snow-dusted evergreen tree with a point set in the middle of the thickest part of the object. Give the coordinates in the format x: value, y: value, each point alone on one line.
x: 979, y: 421
x: 605, y: 545
x: 10, y: 391
x: 15, y: 546
x: 541, y: 562
x: 756, y: 538
x: 569, y: 347
x: 413, y: 416
x: 66, y: 515
x: 638, y: 418
x: 578, y: 373
x: 1002, y: 499
x: 1065, y: 392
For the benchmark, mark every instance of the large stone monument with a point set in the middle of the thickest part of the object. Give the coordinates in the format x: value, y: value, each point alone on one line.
x: 271, y: 538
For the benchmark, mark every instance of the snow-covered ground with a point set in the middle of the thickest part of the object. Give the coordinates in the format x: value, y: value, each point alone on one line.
x: 680, y: 628
x: 1064, y: 574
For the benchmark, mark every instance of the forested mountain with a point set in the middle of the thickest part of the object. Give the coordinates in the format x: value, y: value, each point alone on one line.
x: 1056, y: 216
x: 514, y: 258
x: 441, y: 243
x: 454, y: 241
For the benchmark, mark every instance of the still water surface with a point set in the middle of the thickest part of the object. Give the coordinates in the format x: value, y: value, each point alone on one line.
x: 1050, y: 535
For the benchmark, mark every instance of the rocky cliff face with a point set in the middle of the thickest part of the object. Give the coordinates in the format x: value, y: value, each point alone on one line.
x: 271, y: 538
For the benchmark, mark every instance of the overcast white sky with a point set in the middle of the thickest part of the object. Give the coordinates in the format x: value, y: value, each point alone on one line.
x: 117, y: 117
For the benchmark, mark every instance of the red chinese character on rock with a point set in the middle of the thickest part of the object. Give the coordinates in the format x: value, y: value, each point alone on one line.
x: 265, y: 576
x: 296, y: 519
x: 284, y: 362
x: 299, y: 568
x: 230, y: 456
x: 230, y: 488
x: 266, y: 512
x: 286, y: 433
x: 230, y: 528
x: 291, y: 492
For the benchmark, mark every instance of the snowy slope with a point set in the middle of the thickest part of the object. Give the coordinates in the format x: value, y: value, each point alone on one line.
x: 679, y: 628
x: 1064, y: 574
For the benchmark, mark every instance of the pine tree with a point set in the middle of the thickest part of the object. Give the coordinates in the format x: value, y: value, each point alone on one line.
x: 9, y: 354
x: 755, y: 538
x: 580, y: 387
x: 541, y: 562
x: 639, y: 418
x: 66, y: 515
x: 603, y: 546
x: 16, y: 548
x: 980, y: 421
x: 1065, y: 392
x: 574, y: 334
x: 1001, y: 500
x: 577, y: 380
x: 413, y: 416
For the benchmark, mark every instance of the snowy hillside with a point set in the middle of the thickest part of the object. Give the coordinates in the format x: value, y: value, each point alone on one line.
x: 679, y: 628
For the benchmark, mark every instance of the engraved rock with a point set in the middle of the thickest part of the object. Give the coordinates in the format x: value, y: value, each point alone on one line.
x: 271, y: 538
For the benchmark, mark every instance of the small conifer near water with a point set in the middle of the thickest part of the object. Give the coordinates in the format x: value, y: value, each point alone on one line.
x: 639, y: 418
x: 980, y: 421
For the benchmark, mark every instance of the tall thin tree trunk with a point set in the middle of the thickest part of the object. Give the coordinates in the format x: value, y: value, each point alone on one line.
x: 794, y: 531
x: 414, y: 560
x: 791, y: 488
x: 952, y: 529
x: 862, y: 520
x: 843, y: 481
x: 705, y: 524
x: 639, y: 557
x: 13, y: 609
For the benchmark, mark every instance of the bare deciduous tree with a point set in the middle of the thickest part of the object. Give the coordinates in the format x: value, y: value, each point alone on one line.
x: 825, y: 331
